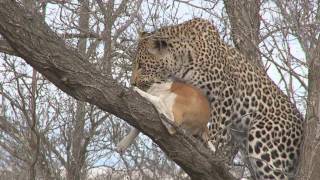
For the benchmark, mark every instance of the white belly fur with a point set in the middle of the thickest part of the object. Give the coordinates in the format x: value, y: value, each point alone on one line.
x: 163, y: 91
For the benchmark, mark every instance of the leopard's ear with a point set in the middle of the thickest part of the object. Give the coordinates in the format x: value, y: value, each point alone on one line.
x: 158, y: 46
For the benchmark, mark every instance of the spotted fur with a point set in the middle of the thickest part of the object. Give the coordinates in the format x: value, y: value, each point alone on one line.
x: 242, y: 97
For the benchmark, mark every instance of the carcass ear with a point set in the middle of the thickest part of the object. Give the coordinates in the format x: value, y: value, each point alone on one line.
x: 158, y: 46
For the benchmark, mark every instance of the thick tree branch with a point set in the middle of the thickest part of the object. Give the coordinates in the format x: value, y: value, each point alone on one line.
x: 36, y: 43
x: 5, y: 48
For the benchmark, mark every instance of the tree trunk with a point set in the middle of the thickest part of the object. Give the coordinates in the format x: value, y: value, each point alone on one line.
x: 34, y: 142
x: 244, y: 20
x: 299, y: 17
x: 35, y: 42
x: 76, y: 165
x: 310, y: 157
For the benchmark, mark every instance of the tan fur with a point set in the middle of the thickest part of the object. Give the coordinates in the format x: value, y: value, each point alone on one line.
x: 191, y: 109
x: 183, y: 104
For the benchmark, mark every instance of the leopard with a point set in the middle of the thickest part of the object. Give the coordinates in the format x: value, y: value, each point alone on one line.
x: 246, y: 105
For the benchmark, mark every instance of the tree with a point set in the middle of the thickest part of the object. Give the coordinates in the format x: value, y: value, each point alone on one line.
x: 68, y: 70
x: 267, y: 32
x: 303, y: 22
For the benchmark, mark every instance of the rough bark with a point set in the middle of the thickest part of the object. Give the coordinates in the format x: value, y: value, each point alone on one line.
x: 35, y: 42
x: 310, y: 158
x: 5, y: 48
x: 244, y: 20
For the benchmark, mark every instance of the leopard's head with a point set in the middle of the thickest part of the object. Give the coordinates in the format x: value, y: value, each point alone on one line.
x: 173, y: 51
x: 154, y: 61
